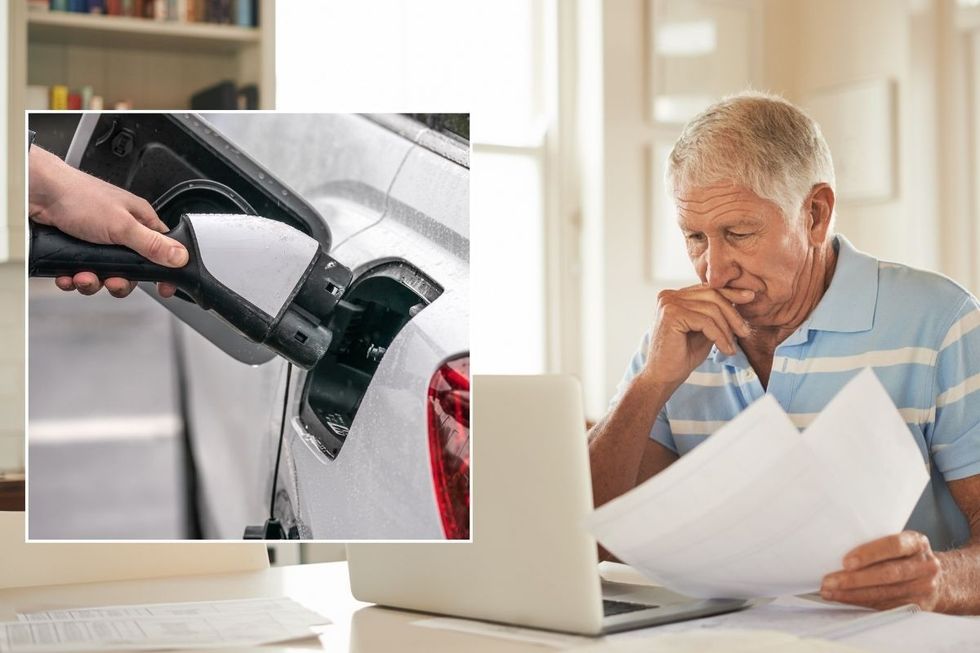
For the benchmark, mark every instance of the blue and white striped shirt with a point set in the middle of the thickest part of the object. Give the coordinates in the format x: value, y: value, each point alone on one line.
x: 917, y: 330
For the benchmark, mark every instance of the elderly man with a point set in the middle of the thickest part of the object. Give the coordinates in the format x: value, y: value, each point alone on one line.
x: 789, y: 308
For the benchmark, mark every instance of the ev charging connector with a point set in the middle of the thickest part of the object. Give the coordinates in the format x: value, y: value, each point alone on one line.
x: 271, y: 282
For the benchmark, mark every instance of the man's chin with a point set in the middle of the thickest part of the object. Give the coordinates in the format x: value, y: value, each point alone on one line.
x: 755, y: 312
x: 754, y: 308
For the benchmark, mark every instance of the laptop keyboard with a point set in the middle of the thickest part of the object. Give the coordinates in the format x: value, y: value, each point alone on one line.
x: 611, y: 608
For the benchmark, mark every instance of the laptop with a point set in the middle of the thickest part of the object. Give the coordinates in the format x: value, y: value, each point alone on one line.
x: 531, y: 562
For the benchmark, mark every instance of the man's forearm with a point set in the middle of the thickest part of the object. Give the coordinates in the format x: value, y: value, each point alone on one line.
x: 616, y: 443
x: 961, y: 580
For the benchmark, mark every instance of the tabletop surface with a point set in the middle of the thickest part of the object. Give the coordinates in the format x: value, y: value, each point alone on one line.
x: 322, y: 587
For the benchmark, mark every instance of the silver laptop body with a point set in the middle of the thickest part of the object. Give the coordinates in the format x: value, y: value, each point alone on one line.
x: 531, y: 562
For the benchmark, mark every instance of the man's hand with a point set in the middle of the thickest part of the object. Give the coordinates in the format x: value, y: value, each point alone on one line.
x: 888, y: 572
x: 688, y: 322
x: 90, y: 209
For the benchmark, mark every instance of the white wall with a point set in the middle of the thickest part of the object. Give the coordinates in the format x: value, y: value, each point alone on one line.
x: 12, y: 366
x: 837, y: 42
x: 4, y: 99
x: 374, y: 55
x: 617, y: 299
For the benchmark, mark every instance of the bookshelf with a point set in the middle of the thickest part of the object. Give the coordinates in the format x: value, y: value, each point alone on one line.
x: 153, y: 64
x: 72, y: 29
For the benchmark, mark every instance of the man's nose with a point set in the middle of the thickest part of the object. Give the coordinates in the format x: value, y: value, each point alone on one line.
x: 721, y: 267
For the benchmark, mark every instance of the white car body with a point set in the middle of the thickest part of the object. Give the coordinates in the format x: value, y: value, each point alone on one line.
x: 383, y: 196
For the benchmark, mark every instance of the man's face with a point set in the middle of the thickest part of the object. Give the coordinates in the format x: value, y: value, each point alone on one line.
x: 736, y: 239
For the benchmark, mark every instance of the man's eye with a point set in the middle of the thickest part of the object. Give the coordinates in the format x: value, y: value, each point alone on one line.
x: 738, y: 235
x: 695, y: 237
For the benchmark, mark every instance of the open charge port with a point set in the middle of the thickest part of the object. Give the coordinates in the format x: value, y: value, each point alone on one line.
x: 378, y: 304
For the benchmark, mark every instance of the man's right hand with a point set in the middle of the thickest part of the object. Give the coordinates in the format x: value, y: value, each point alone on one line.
x: 688, y: 322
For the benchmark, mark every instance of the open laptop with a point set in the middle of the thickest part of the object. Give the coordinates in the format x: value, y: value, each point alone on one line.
x: 531, y: 562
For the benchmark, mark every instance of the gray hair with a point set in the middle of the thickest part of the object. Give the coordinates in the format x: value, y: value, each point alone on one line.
x: 755, y: 140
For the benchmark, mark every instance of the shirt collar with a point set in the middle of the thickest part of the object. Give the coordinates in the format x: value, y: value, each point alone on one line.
x: 847, y: 306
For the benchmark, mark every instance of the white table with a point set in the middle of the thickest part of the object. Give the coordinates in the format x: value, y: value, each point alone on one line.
x: 322, y: 587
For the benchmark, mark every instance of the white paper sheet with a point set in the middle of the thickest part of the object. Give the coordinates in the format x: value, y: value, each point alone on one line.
x: 760, y: 510
x: 160, y: 626
x: 283, y: 606
x: 718, y: 641
x: 788, y: 614
x: 925, y: 632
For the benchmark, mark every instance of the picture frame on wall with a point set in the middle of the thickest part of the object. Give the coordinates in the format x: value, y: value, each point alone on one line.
x: 858, y: 122
x: 699, y: 51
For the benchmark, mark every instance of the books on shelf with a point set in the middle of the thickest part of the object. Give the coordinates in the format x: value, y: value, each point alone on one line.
x: 60, y: 96
x: 223, y: 95
x: 244, y: 13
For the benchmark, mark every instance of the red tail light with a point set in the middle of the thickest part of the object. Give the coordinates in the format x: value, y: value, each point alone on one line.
x: 449, y: 445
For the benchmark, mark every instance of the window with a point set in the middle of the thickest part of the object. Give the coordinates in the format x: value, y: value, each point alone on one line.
x: 374, y: 55
x: 508, y: 198
x: 702, y: 50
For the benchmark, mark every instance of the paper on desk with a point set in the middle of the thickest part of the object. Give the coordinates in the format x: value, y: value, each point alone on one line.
x: 282, y: 606
x: 788, y: 614
x: 160, y: 626
x: 760, y: 510
x: 924, y: 632
x: 717, y: 641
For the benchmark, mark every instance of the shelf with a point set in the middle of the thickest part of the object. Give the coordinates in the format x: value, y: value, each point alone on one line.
x: 66, y: 28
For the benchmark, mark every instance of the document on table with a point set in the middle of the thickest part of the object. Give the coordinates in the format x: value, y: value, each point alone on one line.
x: 924, y: 632
x: 791, y: 615
x: 901, y: 630
x: 718, y: 641
x: 759, y: 509
x: 204, y: 624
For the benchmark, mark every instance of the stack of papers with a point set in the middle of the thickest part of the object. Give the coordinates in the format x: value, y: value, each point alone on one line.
x: 205, y: 624
x: 759, y: 509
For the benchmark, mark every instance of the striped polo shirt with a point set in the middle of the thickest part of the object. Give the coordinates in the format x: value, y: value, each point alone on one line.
x: 917, y: 330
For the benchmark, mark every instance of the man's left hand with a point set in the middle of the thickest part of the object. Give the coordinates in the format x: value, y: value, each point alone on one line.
x: 888, y: 572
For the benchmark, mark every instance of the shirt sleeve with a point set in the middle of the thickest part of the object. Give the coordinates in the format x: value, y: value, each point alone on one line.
x: 661, y: 426
x: 955, y: 441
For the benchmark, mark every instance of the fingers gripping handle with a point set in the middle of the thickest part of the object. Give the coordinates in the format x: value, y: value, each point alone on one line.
x: 56, y: 254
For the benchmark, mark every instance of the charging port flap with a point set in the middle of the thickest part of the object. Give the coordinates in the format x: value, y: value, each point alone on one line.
x: 379, y: 303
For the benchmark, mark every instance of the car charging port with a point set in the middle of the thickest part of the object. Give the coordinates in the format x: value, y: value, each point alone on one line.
x: 377, y: 305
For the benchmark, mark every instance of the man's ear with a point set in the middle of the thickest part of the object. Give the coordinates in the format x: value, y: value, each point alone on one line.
x: 819, y: 211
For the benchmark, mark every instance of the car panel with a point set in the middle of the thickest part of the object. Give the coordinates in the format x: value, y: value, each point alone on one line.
x: 387, y: 449
x: 434, y: 188
x: 233, y: 412
x: 355, y: 161
x: 380, y: 485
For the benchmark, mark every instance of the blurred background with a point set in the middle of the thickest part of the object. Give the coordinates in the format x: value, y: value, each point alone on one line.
x: 576, y: 103
x: 582, y: 101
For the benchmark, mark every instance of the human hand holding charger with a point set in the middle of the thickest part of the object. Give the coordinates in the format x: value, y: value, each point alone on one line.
x: 88, y: 208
